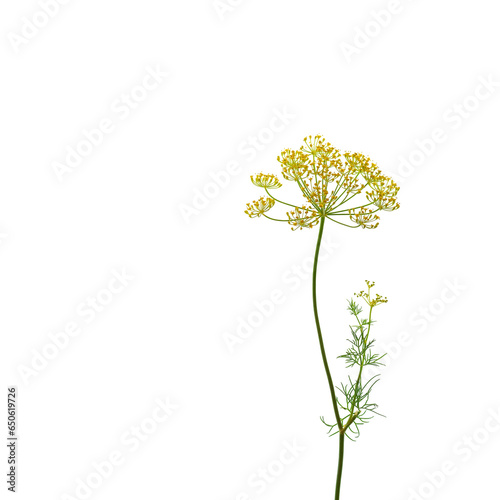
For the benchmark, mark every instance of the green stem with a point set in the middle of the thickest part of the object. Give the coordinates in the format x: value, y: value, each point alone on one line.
x: 362, y: 364
x: 279, y: 201
x: 341, y: 463
x: 325, y: 362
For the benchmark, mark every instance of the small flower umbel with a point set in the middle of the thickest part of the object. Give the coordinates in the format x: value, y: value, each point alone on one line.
x: 259, y: 207
x: 330, y: 182
x: 366, y: 296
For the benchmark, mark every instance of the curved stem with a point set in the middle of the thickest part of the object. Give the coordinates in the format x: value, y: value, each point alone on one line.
x: 341, y: 223
x: 284, y: 220
x: 279, y: 201
x: 325, y: 362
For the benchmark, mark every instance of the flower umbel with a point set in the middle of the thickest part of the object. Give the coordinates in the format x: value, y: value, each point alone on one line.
x: 258, y: 207
x: 302, y: 217
x: 330, y: 182
x: 269, y: 181
x: 371, y: 301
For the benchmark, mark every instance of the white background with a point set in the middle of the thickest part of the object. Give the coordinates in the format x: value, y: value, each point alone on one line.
x: 197, y: 276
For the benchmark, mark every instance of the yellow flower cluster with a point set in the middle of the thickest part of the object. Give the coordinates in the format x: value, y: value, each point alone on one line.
x: 372, y: 302
x: 383, y: 194
x: 269, y: 181
x: 328, y: 180
x: 301, y: 217
x: 257, y: 208
x: 364, y: 218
